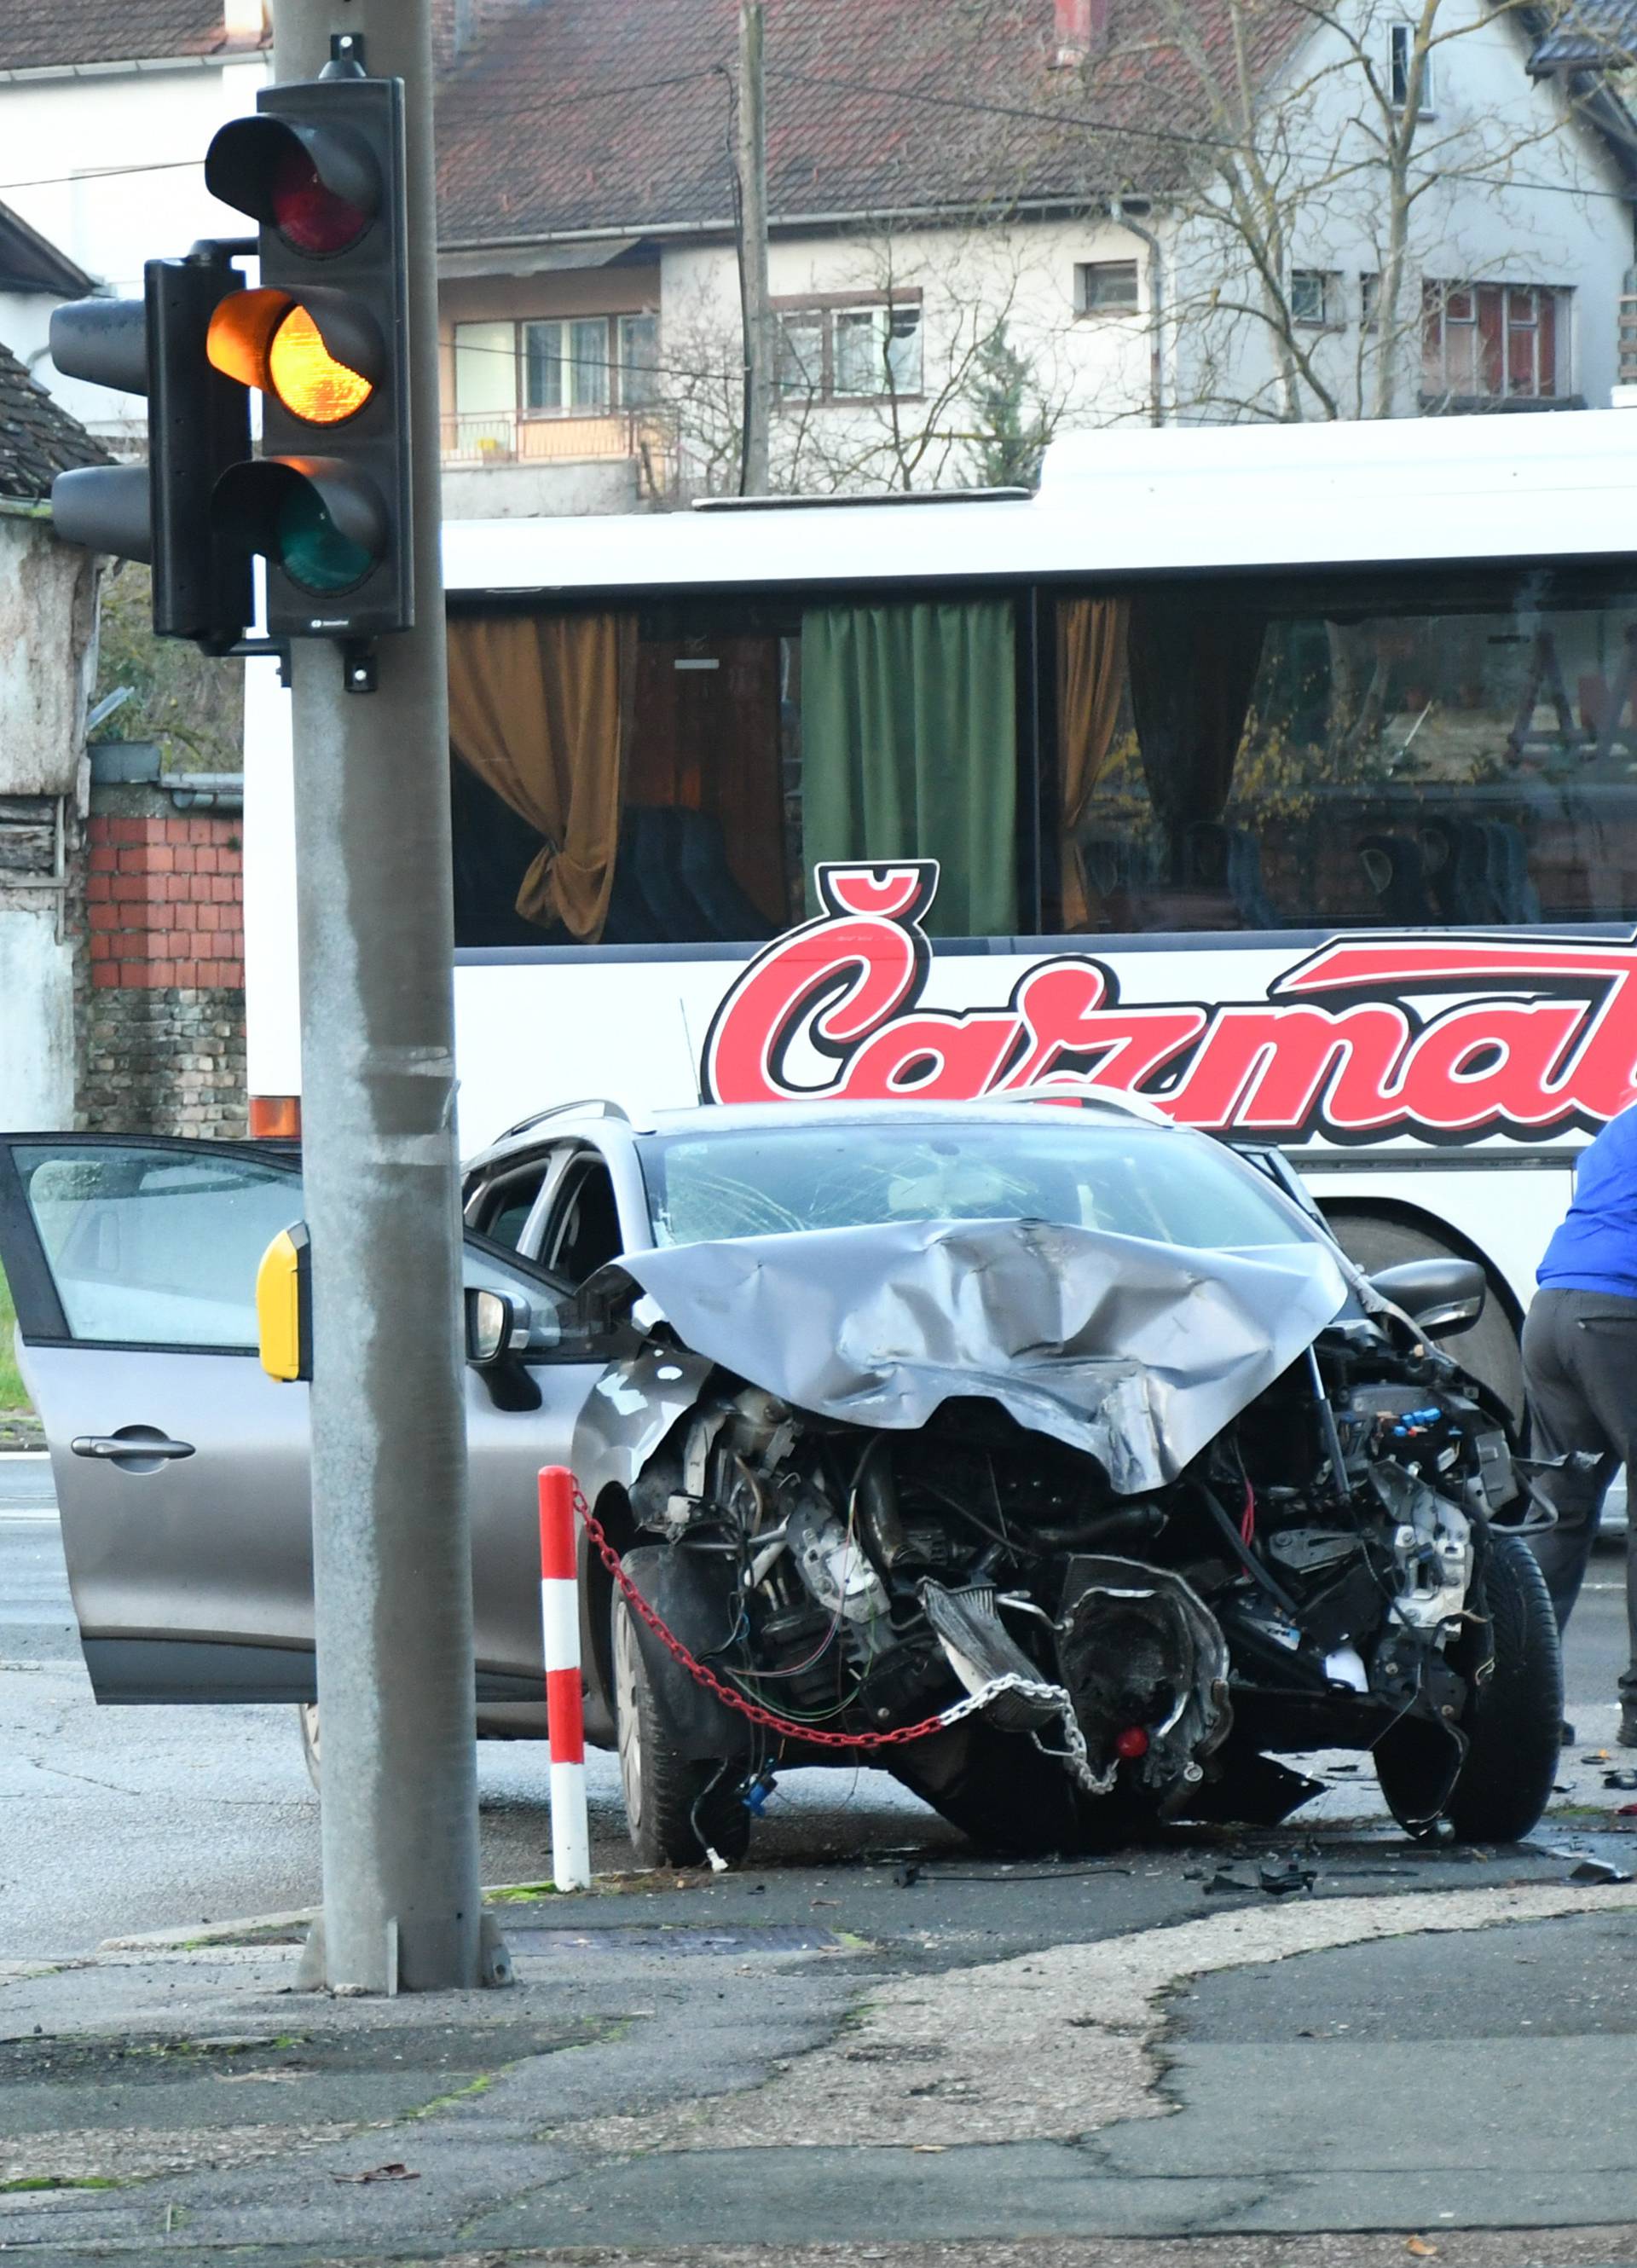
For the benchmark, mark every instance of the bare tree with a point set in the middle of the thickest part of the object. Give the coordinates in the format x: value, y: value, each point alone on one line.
x: 1322, y: 193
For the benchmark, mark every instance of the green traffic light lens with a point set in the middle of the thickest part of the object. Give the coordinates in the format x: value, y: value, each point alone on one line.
x: 312, y: 549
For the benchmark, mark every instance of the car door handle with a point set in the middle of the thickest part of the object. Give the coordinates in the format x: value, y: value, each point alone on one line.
x: 115, y: 1446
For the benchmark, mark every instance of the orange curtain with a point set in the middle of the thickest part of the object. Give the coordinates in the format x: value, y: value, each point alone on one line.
x: 1091, y: 676
x: 537, y: 708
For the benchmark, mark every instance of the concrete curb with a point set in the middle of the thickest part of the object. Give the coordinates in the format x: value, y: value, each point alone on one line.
x: 263, y: 1930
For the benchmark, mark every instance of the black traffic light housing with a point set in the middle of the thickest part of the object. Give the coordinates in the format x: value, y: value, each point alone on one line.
x: 320, y: 169
x: 198, y: 426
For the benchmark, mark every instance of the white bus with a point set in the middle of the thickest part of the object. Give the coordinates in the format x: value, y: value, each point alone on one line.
x: 1285, y: 775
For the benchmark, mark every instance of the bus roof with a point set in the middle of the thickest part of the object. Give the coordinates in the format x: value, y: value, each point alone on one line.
x: 1120, y: 502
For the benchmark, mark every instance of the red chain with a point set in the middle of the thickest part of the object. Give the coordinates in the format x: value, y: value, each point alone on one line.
x: 726, y: 1694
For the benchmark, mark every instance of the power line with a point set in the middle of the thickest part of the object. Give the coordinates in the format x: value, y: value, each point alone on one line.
x: 463, y: 117
x: 1172, y: 136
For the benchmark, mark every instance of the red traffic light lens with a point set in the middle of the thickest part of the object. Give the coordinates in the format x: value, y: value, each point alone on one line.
x: 309, y: 217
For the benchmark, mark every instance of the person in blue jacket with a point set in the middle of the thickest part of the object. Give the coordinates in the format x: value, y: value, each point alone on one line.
x: 1580, y: 1374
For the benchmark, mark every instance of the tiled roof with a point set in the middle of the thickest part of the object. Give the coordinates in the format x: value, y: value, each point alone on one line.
x: 1590, y: 35
x: 37, y: 439
x: 30, y: 262
x: 616, y: 114
x: 40, y: 35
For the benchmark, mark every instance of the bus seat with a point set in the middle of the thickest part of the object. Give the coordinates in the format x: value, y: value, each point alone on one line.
x: 1229, y: 859
x: 1396, y: 873
x: 1507, y: 866
x: 709, y: 882
x: 673, y: 884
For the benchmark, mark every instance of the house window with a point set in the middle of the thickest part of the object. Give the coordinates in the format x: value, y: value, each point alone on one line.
x: 1313, y: 297
x: 566, y: 365
x: 1369, y: 301
x: 1105, y: 287
x: 579, y: 366
x: 638, y: 357
x: 800, y: 354
x: 1487, y: 342
x: 868, y: 352
x: 1401, y: 62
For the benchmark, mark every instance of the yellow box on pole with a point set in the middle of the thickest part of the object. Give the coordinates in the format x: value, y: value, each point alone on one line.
x: 284, y: 1305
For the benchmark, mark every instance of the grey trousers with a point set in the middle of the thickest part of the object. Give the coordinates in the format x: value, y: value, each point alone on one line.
x: 1580, y: 1374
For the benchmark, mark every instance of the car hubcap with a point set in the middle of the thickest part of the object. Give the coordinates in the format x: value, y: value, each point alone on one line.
x: 627, y: 1714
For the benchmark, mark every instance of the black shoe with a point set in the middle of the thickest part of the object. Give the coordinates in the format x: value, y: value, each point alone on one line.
x: 1627, y: 1735
x: 1566, y: 1736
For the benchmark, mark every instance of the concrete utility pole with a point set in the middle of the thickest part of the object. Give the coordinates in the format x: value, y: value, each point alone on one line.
x: 392, y: 1561
x: 758, y: 326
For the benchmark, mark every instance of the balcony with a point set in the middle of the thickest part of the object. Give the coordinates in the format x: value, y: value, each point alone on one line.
x: 502, y: 465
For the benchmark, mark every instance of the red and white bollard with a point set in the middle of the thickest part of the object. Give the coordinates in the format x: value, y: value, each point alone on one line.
x: 559, y: 1616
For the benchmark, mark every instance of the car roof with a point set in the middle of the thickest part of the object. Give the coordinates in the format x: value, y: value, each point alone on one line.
x: 598, y: 1119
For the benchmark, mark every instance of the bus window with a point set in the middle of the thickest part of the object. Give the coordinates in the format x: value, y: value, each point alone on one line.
x: 1461, y: 753
x: 673, y: 777
x: 909, y: 750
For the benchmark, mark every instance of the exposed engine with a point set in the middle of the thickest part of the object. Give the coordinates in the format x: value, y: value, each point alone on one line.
x: 1307, y: 1581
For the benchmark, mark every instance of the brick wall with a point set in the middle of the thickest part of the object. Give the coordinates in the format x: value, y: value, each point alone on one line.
x: 165, y: 902
x: 161, y: 1044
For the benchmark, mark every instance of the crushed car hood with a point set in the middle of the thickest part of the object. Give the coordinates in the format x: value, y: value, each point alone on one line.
x: 1138, y: 1353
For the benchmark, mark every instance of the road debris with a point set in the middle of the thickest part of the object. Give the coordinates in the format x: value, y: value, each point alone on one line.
x: 395, y: 2172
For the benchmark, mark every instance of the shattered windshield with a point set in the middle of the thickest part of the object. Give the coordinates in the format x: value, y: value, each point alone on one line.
x: 1169, y: 1187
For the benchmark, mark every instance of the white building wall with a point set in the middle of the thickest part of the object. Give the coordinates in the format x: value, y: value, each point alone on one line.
x: 24, y: 322
x: 1532, y: 197
x: 1527, y: 195
x: 1089, y: 370
x: 112, y: 164
x: 47, y: 646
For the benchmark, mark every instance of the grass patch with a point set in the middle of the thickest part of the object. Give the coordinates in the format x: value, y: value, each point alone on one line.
x: 11, y: 1394
x: 57, y: 2182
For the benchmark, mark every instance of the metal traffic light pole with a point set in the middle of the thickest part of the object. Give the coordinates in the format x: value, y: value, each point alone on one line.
x: 392, y: 1563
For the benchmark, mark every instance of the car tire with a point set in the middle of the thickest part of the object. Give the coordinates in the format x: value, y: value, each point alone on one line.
x: 1512, y: 1719
x: 307, y: 1711
x: 1490, y: 1350
x: 676, y: 1805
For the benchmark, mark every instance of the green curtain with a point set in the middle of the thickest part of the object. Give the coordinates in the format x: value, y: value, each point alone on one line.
x: 909, y: 750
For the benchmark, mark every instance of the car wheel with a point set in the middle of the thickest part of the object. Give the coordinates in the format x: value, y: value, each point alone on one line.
x: 675, y: 1805
x: 1489, y: 1349
x: 307, y: 1711
x: 1512, y: 1721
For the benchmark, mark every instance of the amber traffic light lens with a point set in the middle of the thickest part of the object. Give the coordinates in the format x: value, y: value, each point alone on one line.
x: 306, y: 377
x: 309, y: 217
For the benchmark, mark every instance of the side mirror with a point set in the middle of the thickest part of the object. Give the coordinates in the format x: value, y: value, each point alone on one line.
x: 498, y: 1326
x: 1441, y: 1296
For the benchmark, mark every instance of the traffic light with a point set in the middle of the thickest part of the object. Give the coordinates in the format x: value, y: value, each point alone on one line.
x: 198, y: 426
x: 320, y: 169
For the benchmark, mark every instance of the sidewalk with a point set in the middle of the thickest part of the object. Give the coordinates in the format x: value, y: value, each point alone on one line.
x: 912, y: 2068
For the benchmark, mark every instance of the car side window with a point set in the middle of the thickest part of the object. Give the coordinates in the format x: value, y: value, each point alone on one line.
x: 500, y: 1211
x: 584, y: 1231
x: 156, y: 1247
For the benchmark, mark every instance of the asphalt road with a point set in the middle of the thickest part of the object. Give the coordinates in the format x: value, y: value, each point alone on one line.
x: 124, y: 1820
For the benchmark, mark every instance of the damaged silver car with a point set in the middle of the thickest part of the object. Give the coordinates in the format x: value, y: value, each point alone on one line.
x: 1085, y: 1418
x: 1055, y: 1458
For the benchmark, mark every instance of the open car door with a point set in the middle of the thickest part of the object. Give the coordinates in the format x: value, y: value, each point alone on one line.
x: 181, y: 1468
